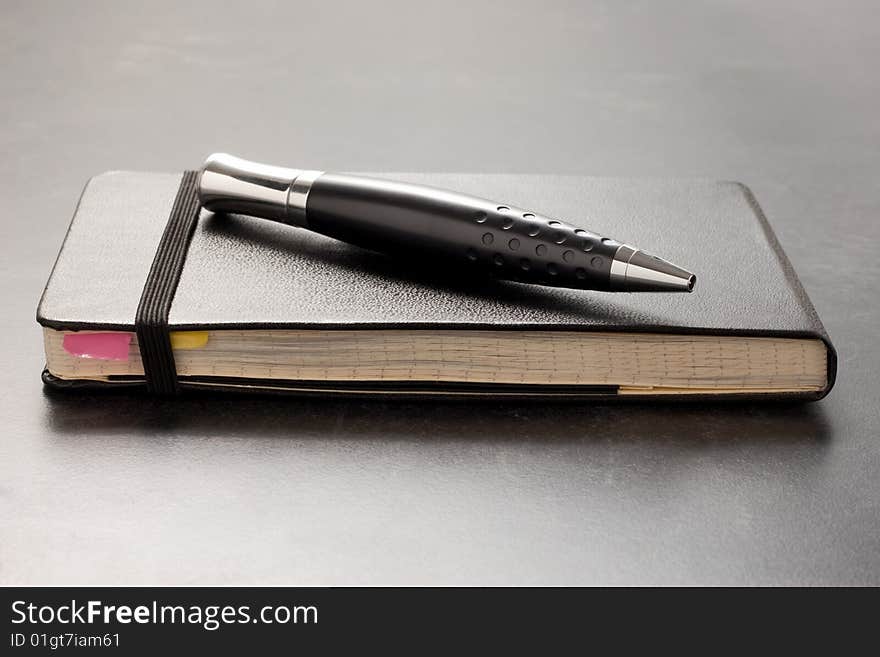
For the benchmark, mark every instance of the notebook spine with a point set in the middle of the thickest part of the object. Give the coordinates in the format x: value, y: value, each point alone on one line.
x: 791, y: 277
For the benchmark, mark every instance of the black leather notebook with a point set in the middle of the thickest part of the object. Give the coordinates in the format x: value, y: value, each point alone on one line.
x: 261, y: 306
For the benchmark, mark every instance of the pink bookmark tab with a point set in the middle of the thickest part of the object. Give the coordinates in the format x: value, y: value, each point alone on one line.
x: 103, y: 346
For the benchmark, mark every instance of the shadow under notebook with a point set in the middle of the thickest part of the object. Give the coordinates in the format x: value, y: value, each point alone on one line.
x: 687, y: 424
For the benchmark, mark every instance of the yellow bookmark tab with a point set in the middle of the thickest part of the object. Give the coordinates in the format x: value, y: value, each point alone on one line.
x: 188, y: 339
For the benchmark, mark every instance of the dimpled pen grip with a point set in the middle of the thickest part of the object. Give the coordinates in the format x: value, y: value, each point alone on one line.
x: 463, y: 231
x: 452, y: 229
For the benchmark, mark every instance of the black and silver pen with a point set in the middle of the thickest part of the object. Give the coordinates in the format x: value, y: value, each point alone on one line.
x: 414, y: 220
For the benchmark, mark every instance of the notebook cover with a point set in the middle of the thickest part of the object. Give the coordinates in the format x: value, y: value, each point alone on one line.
x: 242, y: 272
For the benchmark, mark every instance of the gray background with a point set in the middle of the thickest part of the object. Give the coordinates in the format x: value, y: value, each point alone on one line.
x: 783, y: 96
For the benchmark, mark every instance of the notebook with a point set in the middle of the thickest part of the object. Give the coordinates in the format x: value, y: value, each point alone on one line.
x: 261, y: 306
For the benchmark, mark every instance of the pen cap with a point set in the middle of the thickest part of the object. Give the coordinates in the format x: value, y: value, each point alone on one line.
x: 231, y: 184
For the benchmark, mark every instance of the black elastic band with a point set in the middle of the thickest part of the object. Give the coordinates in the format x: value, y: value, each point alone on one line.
x: 151, y: 322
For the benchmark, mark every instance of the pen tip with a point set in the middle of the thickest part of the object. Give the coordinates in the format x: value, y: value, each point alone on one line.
x: 636, y: 271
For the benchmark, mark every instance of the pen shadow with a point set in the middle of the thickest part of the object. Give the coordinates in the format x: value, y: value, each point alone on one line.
x: 270, y: 417
x: 463, y: 283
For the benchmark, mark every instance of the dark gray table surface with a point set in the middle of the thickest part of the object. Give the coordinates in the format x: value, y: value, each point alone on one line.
x: 783, y: 96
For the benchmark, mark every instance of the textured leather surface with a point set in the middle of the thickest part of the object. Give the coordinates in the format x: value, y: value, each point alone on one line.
x: 102, y: 266
x: 247, y: 272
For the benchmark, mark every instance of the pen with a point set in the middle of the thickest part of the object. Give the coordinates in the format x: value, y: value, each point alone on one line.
x: 454, y: 229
